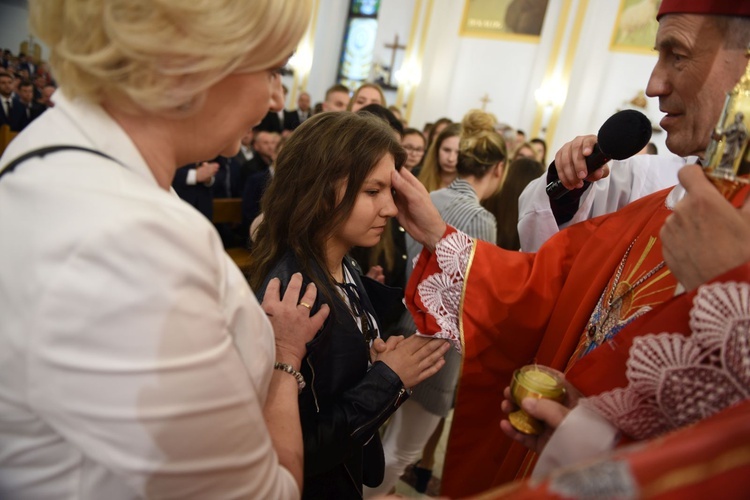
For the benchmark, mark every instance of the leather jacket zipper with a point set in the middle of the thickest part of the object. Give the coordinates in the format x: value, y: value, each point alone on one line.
x: 380, y: 415
x: 312, y: 386
x: 357, y: 487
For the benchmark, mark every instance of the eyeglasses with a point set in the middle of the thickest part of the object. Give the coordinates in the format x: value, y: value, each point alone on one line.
x: 412, y: 149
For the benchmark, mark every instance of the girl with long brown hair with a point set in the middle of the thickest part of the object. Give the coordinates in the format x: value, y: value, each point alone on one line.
x: 331, y: 190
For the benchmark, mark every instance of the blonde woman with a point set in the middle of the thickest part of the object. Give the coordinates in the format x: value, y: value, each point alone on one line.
x: 366, y: 94
x: 136, y: 361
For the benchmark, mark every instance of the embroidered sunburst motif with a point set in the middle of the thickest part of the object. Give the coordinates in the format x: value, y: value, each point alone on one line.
x: 676, y: 380
x: 441, y: 292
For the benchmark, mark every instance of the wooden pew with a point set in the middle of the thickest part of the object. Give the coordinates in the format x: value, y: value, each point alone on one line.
x: 229, y: 211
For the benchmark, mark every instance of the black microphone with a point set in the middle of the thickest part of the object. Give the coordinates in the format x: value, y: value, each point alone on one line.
x: 621, y: 136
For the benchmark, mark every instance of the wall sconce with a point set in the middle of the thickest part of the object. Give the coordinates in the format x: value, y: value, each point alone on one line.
x: 409, y: 75
x: 551, y: 94
x: 301, y: 60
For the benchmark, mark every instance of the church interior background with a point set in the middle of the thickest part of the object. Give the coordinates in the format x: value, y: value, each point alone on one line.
x: 553, y: 68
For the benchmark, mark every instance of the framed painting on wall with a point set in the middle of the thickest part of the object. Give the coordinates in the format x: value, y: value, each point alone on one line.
x: 635, y: 28
x: 519, y: 20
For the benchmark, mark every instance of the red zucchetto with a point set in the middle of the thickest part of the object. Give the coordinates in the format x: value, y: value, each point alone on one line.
x: 712, y: 7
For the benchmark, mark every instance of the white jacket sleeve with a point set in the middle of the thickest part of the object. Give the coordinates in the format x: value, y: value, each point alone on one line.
x: 133, y: 362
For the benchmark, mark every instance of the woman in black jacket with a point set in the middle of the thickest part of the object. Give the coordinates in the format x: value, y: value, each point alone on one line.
x: 331, y: 190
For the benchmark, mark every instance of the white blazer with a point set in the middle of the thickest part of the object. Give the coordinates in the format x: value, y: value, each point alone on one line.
x: 134, y: 358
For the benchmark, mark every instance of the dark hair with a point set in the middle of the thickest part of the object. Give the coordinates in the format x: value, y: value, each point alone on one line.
x: 301, y: 206
x: 652, y: 149
x: 440, y: 121
x: 481, y: 147
x: 504, y: 204
x: 386, y: 115
x: 414, y: 131
x: 539, y: 140
x: 25, y: 83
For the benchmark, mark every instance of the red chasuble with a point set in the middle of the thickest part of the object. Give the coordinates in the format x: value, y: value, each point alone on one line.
x: 678, y: 377
x: 517, y: 308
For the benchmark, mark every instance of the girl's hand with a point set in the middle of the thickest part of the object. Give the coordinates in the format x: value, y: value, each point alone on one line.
x: 415, y: 358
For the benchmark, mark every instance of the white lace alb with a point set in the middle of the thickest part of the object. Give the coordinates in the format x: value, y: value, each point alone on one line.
x: 675, y: 380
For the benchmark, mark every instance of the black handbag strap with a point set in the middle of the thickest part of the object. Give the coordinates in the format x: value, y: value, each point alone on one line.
x: 41, y: 152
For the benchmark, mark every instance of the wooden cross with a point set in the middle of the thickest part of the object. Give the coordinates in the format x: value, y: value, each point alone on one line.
x: 394, y: 48
x: 486, y: 99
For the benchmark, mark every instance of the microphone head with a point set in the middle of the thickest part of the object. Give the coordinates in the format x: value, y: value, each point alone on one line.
x: 624, y: 134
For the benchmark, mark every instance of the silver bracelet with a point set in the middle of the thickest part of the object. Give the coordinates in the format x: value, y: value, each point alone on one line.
x: 291, y: 371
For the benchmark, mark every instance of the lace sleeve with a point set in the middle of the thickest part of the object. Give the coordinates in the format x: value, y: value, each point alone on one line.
x: 675, y: 380
x: 440, y: 293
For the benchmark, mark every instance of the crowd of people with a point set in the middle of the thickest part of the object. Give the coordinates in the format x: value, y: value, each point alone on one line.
x: 26, y: 89
x: 397, y: 274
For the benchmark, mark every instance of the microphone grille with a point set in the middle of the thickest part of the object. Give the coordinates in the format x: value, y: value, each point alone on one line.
x: 624, y: 134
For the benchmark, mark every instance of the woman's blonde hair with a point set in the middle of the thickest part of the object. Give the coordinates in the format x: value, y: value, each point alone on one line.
x: 364, y: 86
x: 163, y: 54
x: 480, y: 147
x: 429, y: 175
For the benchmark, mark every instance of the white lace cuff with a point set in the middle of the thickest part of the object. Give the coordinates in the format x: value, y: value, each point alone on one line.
x: 441, y: 292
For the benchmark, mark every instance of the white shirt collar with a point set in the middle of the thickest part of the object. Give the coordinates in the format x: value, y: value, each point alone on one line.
x: 101, y: 132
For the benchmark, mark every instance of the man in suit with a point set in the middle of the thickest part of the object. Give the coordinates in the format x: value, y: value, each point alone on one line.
x: 264, y: 148
x: 25, y: 109
x: 6, y: 109
x: 193, y: 184
x: 6, y: 97
x: 26, y: 64
x: 293, y: 119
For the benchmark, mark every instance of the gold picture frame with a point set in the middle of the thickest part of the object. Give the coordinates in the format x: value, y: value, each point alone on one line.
x: 635, y: 28
x: 517, y: 20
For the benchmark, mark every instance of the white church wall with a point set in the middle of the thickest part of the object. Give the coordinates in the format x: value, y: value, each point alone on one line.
x: 602, y: 80
x: 458, y: 71
x: 329, y: 35
x: 394, y: 18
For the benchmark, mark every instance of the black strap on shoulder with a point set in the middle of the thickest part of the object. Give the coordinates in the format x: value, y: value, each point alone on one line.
x: 41, y: 152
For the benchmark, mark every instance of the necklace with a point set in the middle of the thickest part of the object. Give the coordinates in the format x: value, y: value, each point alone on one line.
x: 358, y: 311
x: 597, y: 329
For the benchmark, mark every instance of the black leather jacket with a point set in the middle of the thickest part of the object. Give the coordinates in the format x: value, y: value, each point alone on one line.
x: 344, y: 403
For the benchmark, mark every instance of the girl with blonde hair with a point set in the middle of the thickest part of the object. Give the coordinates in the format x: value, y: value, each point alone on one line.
x: 439, y: 164
x: 366, y: 94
